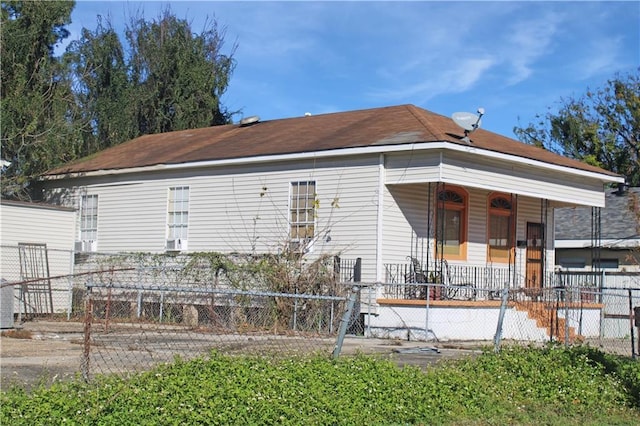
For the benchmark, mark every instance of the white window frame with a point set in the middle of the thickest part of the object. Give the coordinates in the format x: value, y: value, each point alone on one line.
x: 89, y: 217
x: 302, y: 215
x: 178, y: 200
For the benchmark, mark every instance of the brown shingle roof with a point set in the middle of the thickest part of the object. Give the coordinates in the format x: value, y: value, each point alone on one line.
x: 362, y: 128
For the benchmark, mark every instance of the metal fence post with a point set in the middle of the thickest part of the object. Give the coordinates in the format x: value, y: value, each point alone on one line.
x: 295, y: 313
x: 344, y: 322
x: 86, y: 350
x: 368, y: 334
x: 503, y: 309
x: 566, y: 317
x: 426, y: 314
x: 631, y: 322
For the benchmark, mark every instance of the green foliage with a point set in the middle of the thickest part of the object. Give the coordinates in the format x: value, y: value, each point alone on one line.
x: 36, y: 106
x: 97, y: 62
x: 601, y: 128
x: 101, y: 92
x: 518, y: 386
x: 177, y: 76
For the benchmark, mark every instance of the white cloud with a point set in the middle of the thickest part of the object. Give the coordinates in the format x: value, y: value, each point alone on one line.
x: 603, y: 58
x: 459, y: 77
x: 526, y: 42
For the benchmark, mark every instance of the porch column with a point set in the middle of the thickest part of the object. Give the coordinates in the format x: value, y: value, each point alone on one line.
x: 380, y: 221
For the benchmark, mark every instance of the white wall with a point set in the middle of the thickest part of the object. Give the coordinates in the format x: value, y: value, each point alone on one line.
x: 461, y: 323
x: 244, y: 208
x: 35, y: 223
x: 239, y: 209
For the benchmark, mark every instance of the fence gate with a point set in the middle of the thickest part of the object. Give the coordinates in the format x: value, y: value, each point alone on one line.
x: 35, y: 292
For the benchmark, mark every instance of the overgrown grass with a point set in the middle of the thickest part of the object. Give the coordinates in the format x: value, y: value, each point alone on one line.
x: 552, y: 385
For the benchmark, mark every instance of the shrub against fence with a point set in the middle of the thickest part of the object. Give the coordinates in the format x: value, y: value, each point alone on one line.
x: 138, y: 316
x: 130, y: 328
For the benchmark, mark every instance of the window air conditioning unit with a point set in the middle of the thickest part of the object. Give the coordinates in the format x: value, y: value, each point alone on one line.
x: 86, y: 246
x: 176, y: 245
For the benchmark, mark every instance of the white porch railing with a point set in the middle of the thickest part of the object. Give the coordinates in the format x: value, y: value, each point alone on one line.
x: 469, y: 282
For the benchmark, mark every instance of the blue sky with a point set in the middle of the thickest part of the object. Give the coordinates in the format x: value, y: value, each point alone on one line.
x: 515, y: 59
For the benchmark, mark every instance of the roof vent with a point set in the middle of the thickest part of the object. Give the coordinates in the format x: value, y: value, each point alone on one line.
x: 248, y: 121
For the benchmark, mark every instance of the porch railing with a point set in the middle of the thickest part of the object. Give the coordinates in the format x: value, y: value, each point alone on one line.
x: 467, y: 282
x: 482, y: 276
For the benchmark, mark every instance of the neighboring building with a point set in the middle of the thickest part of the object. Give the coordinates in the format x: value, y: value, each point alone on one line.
x: 383, y: 185
x: 36, y: 241
x: 607, y: 238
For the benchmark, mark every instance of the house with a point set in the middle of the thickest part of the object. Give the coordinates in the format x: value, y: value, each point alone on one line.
x: 399, y: 187
x: 607, y: 238
x: 36, y: 241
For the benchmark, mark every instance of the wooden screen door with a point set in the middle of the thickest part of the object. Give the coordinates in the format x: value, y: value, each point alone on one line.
x: 534, y: 255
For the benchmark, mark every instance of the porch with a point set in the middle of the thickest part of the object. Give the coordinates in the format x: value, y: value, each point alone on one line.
x: 463, y: 282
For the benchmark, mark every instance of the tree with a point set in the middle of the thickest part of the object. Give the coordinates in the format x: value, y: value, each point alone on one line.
x: 601, y: 128
x: 36, y: 104
x: 100, y: 93
x: 103, y: 89
x: 178, y: 76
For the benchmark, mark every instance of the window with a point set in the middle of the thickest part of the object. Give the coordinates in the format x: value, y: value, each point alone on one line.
x: 302, y: 212
x: 89, y: 218
x: 451, y: 224
x: 500, y: 229
x: 178, y: 214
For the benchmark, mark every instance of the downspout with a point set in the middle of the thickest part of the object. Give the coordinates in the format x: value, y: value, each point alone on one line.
x: 380, y: 216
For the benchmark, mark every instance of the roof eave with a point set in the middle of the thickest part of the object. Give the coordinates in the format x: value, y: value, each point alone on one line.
x: 378, y: 149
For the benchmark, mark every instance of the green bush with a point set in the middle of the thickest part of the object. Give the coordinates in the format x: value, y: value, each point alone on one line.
x: 552, y: 385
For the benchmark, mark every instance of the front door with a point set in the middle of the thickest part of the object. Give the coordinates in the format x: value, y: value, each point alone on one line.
x: 535, y: 245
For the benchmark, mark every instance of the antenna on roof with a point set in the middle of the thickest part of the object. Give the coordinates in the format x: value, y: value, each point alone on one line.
x: 468, y: 121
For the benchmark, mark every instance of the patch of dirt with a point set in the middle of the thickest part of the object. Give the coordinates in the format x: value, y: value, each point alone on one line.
x: 40, y: 355
x: 45, y: 352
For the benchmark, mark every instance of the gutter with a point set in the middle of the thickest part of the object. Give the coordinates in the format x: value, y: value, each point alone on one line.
x: 384, y: 149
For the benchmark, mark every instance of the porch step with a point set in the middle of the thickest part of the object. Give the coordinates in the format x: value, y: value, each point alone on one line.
x: 546, y: 317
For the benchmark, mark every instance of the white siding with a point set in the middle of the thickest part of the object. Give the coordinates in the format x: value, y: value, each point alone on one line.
x: 34, y: 224
x: 465, y: 169
x: 24, y: 223
x: 245, y: 208
x: 405, y: 222
x: 412, y: 167
x: 236, y: 209
x: 524, y: 180
x: 477, y: 227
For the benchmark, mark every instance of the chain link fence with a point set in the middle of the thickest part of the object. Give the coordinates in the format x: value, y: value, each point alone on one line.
x: 140, y: 309
x: 603, y: 317
x: 36, y: 280
x: 131, y: 328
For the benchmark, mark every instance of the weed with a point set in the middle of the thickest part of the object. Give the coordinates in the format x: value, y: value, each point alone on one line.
x: 551, y: 385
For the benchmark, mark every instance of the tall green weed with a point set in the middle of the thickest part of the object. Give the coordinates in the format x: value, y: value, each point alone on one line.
x: 552, y: 385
